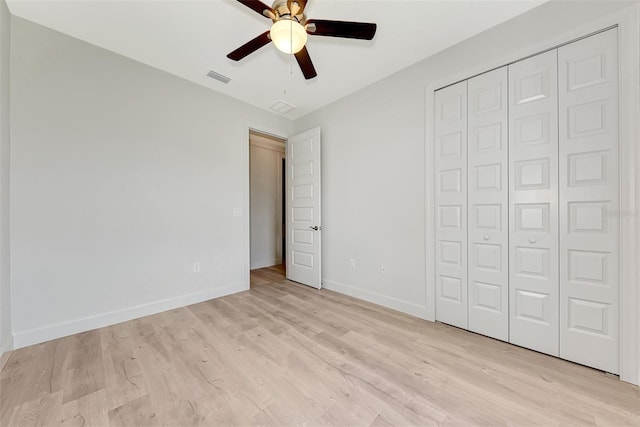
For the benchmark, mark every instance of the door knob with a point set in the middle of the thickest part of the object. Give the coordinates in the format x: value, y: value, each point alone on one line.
x: 485, y: 237
x: 315, y: 228
x: 532, y: 240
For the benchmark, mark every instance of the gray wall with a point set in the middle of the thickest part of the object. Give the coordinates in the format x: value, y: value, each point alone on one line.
x: 373, y: 144
x: 6, y: 339
x: 122, y: 177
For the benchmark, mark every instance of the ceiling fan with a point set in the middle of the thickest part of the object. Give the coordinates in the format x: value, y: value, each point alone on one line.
x: 290, y: 28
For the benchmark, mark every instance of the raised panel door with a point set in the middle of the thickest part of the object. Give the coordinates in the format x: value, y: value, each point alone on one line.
x: 488, y: 204
x: 533, y: 203
x: 451, y: 204
x: 304, y: 223
x: 589, y: 201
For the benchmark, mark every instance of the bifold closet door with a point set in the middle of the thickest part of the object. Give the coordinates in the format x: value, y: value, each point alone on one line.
x: 488, y: 275
x: 589, y: 201
x: 451, y: 204
x: 533, y: 203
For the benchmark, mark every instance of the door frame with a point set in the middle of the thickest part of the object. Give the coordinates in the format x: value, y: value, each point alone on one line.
x: 266, y: 130
x: 628, y: 22
x: 273, y: 145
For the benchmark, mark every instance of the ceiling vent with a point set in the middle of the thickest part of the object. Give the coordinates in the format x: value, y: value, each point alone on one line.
x: 219, y: 77
x: 282, y: 107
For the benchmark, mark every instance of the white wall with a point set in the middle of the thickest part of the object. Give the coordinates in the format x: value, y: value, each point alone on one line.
x: 6, y: 339
x: 122, y: 176
x: 266, y: 201
x: 373, y: 152
x: 373, y: 193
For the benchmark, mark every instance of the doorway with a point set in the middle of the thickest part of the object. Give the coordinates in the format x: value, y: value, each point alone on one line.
x: 267, y: 208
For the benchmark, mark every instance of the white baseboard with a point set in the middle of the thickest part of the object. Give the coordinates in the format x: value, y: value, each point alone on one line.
x: 413, y: 309
x: 63, y: 329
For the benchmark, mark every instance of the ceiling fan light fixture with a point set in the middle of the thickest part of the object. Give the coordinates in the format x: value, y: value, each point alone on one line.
x: 290, y: 29
x: 288, y: 35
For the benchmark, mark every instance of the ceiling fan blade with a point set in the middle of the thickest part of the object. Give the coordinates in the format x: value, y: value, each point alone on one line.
x: 299, y: 8
x: 345, y: 29
x: 304, y: 61
x: 259, y: 7
x: 250, y: 47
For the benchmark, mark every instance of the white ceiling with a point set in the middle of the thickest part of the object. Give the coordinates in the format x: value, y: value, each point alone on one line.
x: 188, y: 38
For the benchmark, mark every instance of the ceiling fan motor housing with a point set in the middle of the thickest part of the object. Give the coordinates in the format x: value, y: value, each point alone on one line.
x: 282, y: 12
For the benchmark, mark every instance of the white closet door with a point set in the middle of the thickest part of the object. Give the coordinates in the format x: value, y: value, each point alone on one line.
x: 451, y: 204
x: 533, y: 203
x: 589, y: 201
x: 488, y: 208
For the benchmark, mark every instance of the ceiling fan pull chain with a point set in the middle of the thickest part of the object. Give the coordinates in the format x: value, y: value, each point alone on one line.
x: 284, y: 80
x: 284, y: 75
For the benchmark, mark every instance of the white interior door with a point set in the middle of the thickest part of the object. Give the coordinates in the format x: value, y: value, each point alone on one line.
x: 451, y: 204
x: 589, y: 201
x: 304, y: 222
x: 533, y: 203
x: 488, y: 205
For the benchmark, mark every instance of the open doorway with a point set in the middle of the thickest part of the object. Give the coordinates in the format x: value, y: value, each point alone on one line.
x: 267, y: 208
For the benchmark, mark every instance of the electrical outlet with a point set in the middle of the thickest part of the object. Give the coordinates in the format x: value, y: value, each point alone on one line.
x: 352, y: 263
x: 196, y: 267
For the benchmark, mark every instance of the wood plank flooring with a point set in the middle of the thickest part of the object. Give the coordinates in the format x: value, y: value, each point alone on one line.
x: 283, y: 354
x: 266, y: 275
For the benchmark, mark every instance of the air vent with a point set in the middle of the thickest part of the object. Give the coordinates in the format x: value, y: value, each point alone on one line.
x: 218, y: 76
x: 282, y: 107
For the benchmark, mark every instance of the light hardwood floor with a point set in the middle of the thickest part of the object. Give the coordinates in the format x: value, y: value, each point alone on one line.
x: 264, y: 276
x: 284, y: 354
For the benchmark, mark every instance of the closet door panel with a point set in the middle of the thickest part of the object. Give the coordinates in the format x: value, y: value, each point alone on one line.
x: 487, y: 204
x: 533, y: 203
x: 589, y: 201
x: 451, y: 204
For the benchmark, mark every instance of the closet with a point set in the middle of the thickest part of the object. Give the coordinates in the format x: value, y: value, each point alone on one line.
x: 526, y: 202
